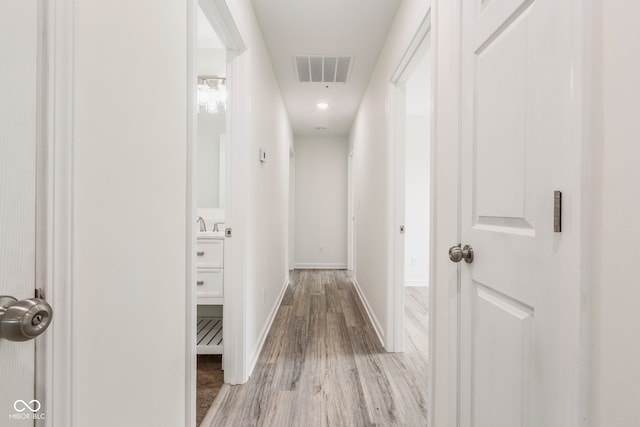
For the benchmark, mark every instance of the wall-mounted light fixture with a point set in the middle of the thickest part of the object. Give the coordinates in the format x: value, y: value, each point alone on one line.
x: 212, y: 93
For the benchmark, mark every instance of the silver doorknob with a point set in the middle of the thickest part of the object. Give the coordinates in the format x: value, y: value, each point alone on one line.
x: 457, y: 254
x: 23, y: 320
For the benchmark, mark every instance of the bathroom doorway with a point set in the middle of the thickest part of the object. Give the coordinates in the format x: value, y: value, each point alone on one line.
x: 214, y: 306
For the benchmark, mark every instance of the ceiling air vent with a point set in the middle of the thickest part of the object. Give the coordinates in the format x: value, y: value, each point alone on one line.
x: 323, y: 69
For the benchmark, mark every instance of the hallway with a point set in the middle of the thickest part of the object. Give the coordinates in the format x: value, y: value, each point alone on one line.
x: 322, y: 364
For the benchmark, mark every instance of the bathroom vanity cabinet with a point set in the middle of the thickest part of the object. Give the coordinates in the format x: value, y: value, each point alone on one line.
x: 210, y: 291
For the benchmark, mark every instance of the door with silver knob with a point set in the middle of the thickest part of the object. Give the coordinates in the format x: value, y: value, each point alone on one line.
x: 22, y: 317
x: 521, y: 303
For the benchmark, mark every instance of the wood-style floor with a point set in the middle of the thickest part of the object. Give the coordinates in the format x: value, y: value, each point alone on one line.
x: 209, y: 378
x: 322, y: 364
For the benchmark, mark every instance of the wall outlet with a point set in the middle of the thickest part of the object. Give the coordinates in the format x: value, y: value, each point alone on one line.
x: 413, y: 261
x: 321, y: 249
x: 264, y: 295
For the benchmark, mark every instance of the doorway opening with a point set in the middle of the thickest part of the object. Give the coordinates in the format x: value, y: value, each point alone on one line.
x: 417, y: 196
x: 412, y: 174
x: 210, y: 185
x: 215, y: 344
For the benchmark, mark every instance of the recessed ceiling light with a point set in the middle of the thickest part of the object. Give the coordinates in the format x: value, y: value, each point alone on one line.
x: 323, y: 105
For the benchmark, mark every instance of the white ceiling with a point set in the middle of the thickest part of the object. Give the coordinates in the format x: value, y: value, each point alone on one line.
x: 355, y: 28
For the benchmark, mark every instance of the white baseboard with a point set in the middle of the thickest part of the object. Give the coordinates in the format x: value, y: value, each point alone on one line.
x: 367, y: 307
x: 321, y: 266
x: 267, y: 327
x: 424, y: 283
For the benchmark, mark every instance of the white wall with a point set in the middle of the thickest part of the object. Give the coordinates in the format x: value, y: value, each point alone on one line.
x: 416, y: 201
x: 321, y: 202
x: 615, y: 346
x: 368, y: 137
x: 417, y: 170
x: 211, y: 62
x: 129, y: 213
x: 263, y: 225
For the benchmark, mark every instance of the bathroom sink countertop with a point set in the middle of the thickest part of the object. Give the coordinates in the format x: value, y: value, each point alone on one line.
x: 211, y: 234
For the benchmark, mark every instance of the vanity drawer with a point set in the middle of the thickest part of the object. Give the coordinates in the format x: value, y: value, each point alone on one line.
x: 210, y: 283
x: 209, y: 253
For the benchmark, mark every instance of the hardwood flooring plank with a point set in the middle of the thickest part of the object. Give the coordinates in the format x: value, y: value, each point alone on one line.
x: 378, y: 398
x: 287, y: 298
x: 332, y: 291
x: 275, y: 346
x: 352, y: 313
x: 345, y: 401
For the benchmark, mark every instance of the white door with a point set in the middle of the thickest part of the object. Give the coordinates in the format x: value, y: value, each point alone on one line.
x: 18, y: 64
x: 519, y: 297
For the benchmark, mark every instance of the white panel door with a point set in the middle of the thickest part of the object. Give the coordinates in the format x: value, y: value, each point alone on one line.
x: 18, y: 62
x: 517, y: 340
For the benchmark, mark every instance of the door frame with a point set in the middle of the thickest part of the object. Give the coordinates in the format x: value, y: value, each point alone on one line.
x: 394, y: 335
x: 351, y: 247
x: 54, y: 373
x: 221, y: 19
x: 291, y: 238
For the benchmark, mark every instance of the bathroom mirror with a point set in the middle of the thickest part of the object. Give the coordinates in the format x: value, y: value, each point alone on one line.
x: 211, y: 118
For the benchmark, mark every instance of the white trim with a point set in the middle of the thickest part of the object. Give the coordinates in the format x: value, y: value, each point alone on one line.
x: 350, y: 213
x: 396, y: 185
x: 43, y: 196
x: 417, y: 283
x: 395, y: 214
x: 291, y: 254
x: 582, y: 36
x: 213, y: 409
x: 444, y: 276
x: 220, y: 18
x: 321, y: 265
x: 267, y: 327
x: 234, y: 356
x: 191, y: 209
x: 57, y: 128
x: 372, y: 317
x: 407, y: 62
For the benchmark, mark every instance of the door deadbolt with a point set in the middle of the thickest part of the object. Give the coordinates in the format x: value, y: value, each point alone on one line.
x: 23, y: 320
x: 457, y: 254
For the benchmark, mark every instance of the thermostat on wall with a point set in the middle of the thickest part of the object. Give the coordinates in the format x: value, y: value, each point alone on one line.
x: 263, y: 155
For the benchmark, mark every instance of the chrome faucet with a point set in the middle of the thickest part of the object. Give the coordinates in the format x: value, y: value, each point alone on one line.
x: 203, y: 226
x: 215, y: 226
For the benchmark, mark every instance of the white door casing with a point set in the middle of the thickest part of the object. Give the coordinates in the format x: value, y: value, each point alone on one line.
x: 520, y: 298
x: 18, y: 148
x: 234, y: 356
x: 396, y: 108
